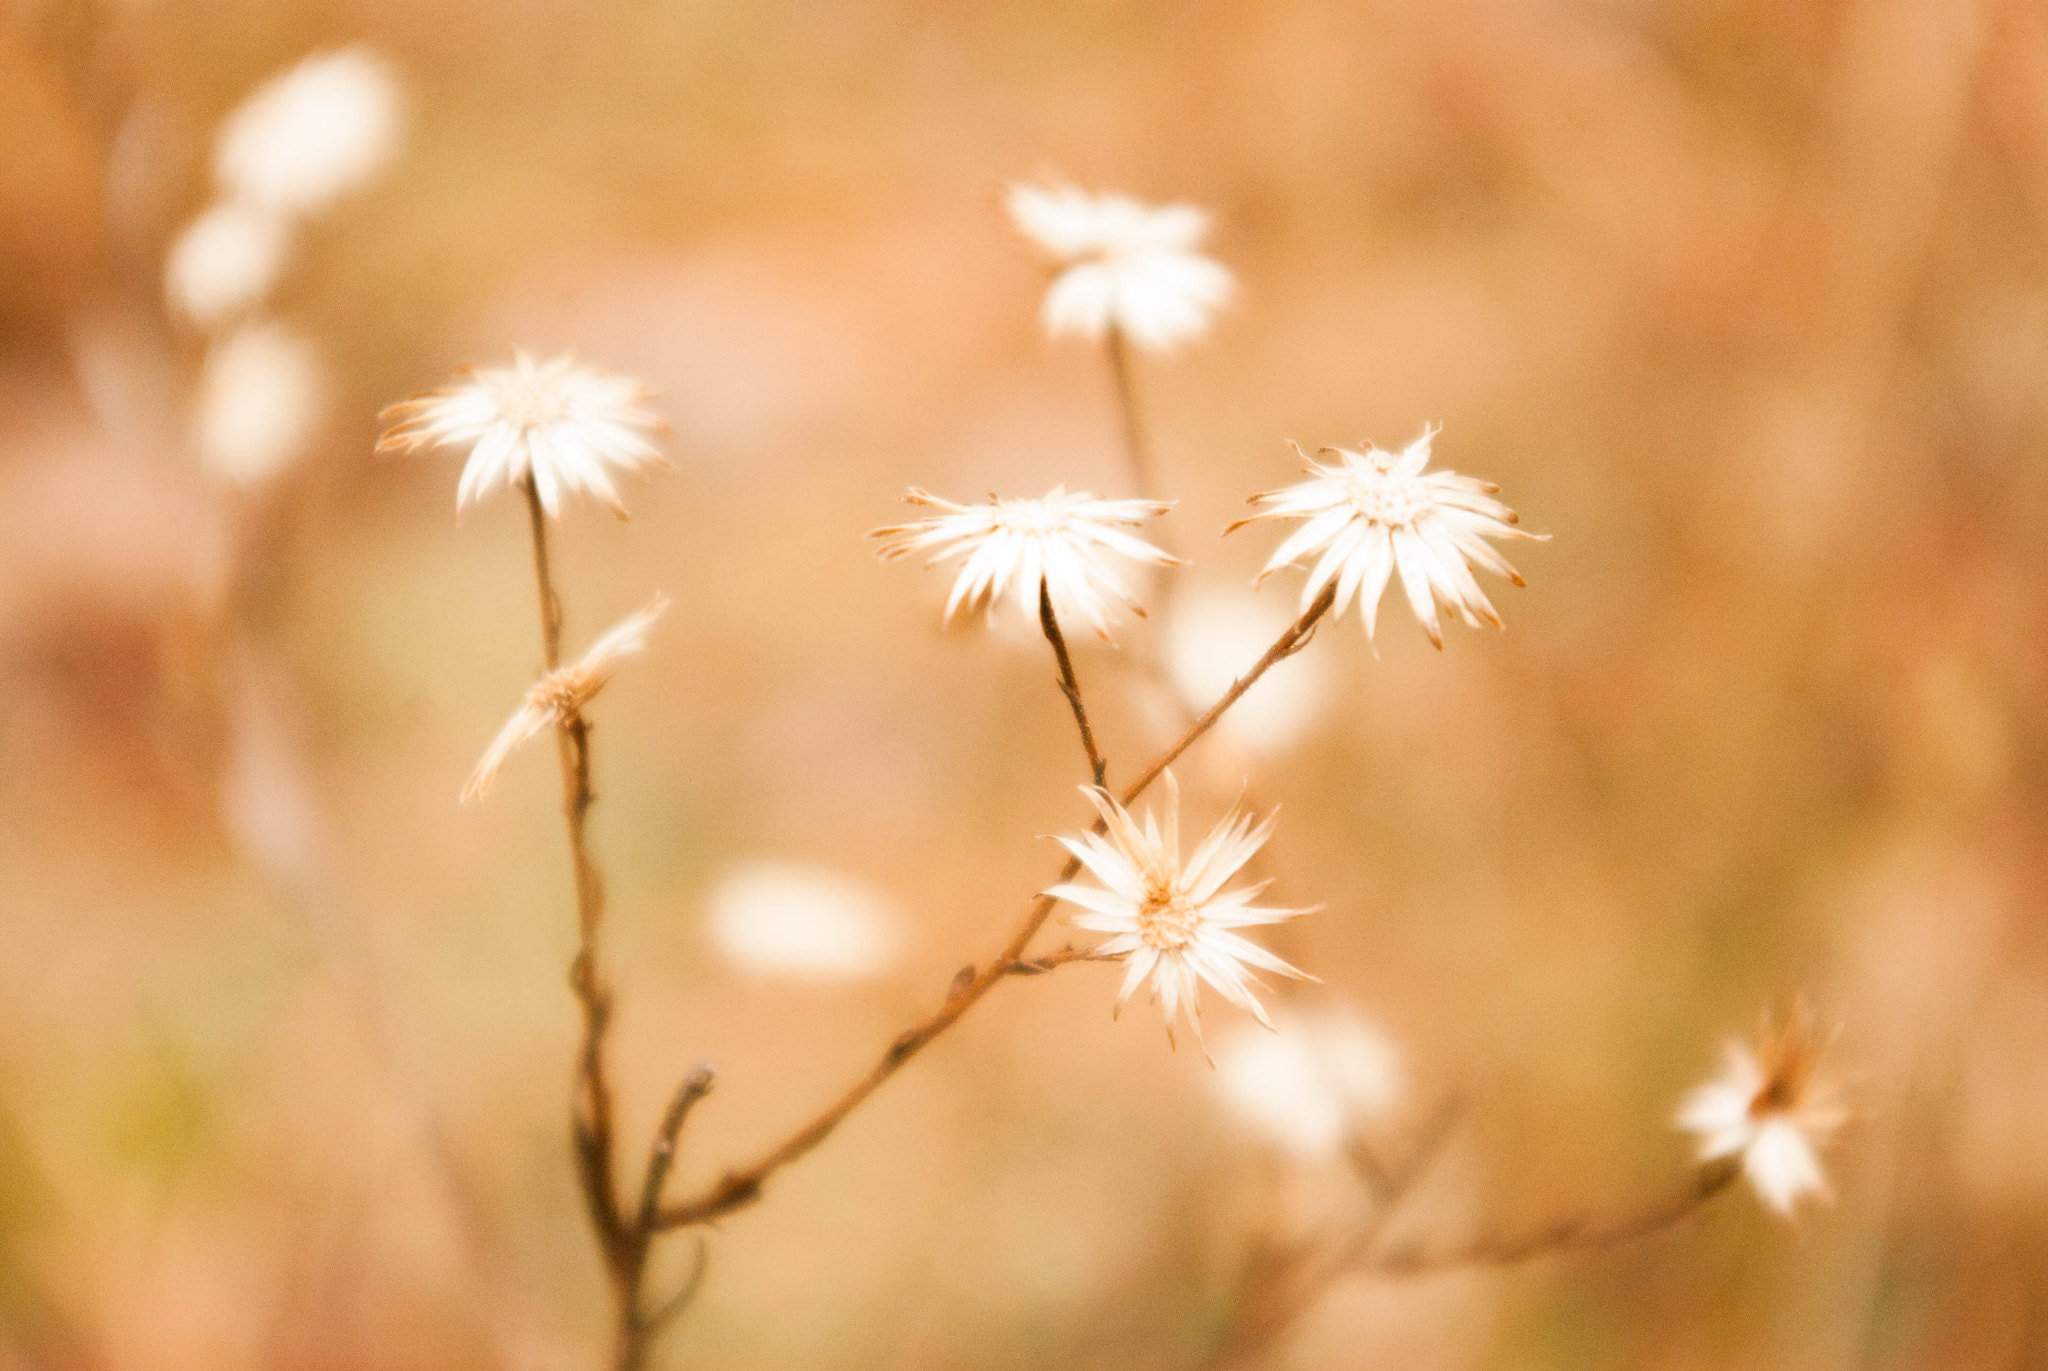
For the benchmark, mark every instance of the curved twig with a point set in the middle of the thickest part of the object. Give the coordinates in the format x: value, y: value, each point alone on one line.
x: 1069, y: 686
x: 741, y: 1186
x: 1580, y: 1234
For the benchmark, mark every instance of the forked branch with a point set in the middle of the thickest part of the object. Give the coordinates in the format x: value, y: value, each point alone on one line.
x: 741, y: 1186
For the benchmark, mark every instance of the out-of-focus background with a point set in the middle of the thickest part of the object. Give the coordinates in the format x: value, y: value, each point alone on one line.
x: 1744, y: 301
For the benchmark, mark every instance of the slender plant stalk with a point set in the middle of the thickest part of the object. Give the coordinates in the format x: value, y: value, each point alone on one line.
x: 1566, y: 1235
x: 1285, y: 1284
x: 1137, y: 448
x: 1145, y: 481
x: 622, y: 1239
x: 1289, y: 1285
x: 1069, y: 687
x: 741, y: 1186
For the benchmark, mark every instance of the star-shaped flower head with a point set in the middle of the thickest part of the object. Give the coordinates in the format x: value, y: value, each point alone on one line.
x: 1772, y: 1109
x: 1374, y: 513
x: 1015, y: 544
x: 563, y: 692
x: 1172, y: 920
x: 1123, y: 265
x: 556, y: 422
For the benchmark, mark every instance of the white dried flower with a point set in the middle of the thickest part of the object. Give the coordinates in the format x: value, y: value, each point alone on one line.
x: 1312, y: 1085
x: 563, y: 692
x: 802, y: 922
x: 312, y: 134
x: 261, y: 395
x: 1771, y: 1109
x: 225, y: 261
x: 1123, y: 265
x: 553, y: 421
x: 1017, y: 544
x: 1172, y: 920
x: 1374, y: 513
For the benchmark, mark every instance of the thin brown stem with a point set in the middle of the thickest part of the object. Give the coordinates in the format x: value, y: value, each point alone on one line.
x: 1069, y: 686
x: 741, y: 1186
x: 1286, y: 645
x: 1137, y: 449
x: 1567, y: 1235
x: 695, y: 1087
x: 638, y: 1326
x: 591, y: 1113
x: 550, y: 602
x: 1287, y: 1283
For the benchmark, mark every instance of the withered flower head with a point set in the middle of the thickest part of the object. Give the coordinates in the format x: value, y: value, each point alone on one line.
x: 1015, y: 544
x: 1172, y: 920
x: 1773, y: 1109
x: 1376, y: 513
x: 556, y: 422
x: 563, y: 692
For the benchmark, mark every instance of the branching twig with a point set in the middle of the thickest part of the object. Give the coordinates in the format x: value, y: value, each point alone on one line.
x: 1568, y: 1235
x: 1285, y: 1285
x: 592, y: 1115
x: 742, y: 1186
x: 695, y: 1087
x: 624, y: 1241
x: 1069, y: 687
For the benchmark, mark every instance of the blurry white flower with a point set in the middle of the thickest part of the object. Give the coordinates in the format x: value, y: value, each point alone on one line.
x: 802, y: 922
x: 1310, y: 1086
x: 312, y: 134
x: 1771, y: 1109
x: 261, y: 394
x: 1018, y: 543
x: 1215, y: 633
x: 564, y: 691
x: 1374, y: 513
x: 1124, y: 265
x: 1172, y: 920
x: 225, y: 261
x: 558, y: 422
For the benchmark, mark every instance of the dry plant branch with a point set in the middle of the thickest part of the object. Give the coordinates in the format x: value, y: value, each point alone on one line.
x: 593, y: 1106
x: 1069, y: 686
x: 742, y: 1186
x: 623, y: 1241
x: 1285, y: 1285
x: 1137, y: 449
x: 1580, y: 1234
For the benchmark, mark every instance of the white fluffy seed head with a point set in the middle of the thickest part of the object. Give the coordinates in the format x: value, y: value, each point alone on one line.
x: 1373, y: 518
x: 564, y: 426
x: 1010, y: 547
x: 1773, y: 1109
x: 1316, y: 1082
x: 1121, y: 265
x: 225, y: 262
x: 262, y: 393
x: 312, y: 134
x: 796, y: 921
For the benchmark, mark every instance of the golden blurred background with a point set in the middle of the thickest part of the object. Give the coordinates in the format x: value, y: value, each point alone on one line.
x: 1744, y: 301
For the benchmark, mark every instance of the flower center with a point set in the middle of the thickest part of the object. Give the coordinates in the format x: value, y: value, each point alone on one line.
x: 1775, y: 1098
x: 1396, y: 501
x: 1033, y: 517
x: 564, y: 691
x: 1168, y: 920
x: 525, y: 404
